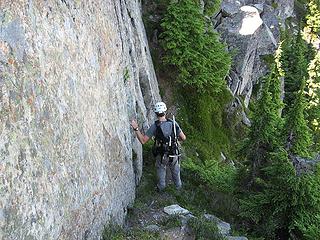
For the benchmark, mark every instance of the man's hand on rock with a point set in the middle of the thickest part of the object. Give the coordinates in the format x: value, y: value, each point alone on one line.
x: 134, y: 124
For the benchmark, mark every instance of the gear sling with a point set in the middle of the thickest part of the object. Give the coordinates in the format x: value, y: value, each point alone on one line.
x: 166, y: 145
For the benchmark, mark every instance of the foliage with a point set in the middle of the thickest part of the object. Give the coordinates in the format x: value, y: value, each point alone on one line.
x: 113, y: 232
x: 313, y: 97
x: 311, y: 35
x: 195, y: 52
x: 217, y: 176
x: 312, y: 29
x: 299, y: 138
x: 306, y: 218
x: 264, y: 135
x: 211, y: 6
x: 295, y: 50
x: 278, y: 204
x: 202, y: 116
x: 267, y: 209
x: 171, y: 222
x: 204, y: 121
x: 205, y: 229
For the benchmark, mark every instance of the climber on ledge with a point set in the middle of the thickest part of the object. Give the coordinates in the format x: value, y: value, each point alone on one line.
x: 166, y: 133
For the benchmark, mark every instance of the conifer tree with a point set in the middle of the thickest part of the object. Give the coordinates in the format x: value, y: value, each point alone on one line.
x: 264, y: 136
x: 305, y: 223
x: 283, y: 203
x: 280, y: 204
x: 194, y: 50
x: 299, y: 138
x: 295, y: 59
x: 268, y: 209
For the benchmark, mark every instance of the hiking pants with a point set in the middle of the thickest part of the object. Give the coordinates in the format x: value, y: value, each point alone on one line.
x: 174, y: 165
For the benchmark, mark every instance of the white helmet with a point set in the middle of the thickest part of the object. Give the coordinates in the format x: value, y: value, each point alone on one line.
x: 160, y: 107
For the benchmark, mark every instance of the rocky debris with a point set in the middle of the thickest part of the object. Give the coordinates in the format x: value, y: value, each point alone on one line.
x: 185, y: 215
x: 251, y: 29
x: 175, y: 223
x: 177, y: 233
x: 175, y: 210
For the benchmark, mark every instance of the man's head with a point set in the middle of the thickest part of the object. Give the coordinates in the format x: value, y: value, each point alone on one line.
x: 160, y: 109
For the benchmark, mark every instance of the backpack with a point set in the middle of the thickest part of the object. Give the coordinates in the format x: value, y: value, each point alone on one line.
x: 165, y: 145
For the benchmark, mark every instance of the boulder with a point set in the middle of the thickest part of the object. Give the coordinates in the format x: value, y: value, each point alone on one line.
x: 175, y: 210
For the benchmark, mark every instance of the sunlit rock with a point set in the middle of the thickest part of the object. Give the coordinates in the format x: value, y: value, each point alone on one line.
x: 251, y: 21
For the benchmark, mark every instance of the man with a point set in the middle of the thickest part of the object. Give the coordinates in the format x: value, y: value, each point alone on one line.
x: 165, y: 148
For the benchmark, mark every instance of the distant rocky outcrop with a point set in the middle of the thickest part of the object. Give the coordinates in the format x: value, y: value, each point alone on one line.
x: 72, y: 75
x: 251, y: 29
x: 303, y: 165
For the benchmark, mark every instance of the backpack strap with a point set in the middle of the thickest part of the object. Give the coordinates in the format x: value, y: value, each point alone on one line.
x: 164, y: 144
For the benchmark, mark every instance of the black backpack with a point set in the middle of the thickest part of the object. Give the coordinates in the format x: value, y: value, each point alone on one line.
x: 165, y: 145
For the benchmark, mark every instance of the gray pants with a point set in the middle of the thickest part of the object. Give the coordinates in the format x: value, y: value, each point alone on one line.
x: 174, y: 165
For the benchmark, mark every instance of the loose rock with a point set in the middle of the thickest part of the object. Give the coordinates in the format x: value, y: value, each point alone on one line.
x: 175, y: 210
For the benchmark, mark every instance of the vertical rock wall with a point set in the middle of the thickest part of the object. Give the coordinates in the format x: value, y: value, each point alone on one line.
x: 72, y: 74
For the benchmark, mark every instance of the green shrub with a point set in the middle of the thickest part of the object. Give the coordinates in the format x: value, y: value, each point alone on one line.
x: 204, y: 229
x: 112, y: 232
x: 217, y: 176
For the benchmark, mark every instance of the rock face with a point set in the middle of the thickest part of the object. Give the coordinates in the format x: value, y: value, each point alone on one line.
x: 72, y: 75
x: 251, y: 30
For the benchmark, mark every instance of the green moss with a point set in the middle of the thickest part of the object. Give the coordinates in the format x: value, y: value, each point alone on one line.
x: 274, y: 4
x: 134, y: 155
x: 202, y: 118
x: 126, y: 74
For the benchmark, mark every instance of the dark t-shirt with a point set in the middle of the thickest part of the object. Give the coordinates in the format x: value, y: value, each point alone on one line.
x: 166, y: 127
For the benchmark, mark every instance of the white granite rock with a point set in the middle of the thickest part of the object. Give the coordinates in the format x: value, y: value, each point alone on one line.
x: 72, y: 75
x: 175, y: 210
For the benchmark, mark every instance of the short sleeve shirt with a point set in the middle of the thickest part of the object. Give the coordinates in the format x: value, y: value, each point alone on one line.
x: 166, y: 127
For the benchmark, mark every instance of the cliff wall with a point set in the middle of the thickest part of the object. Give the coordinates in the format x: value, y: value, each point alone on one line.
x: 72, y: 75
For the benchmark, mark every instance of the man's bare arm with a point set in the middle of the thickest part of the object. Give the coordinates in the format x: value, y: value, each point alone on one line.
x: 141, y: 137
x: 182, y: 137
